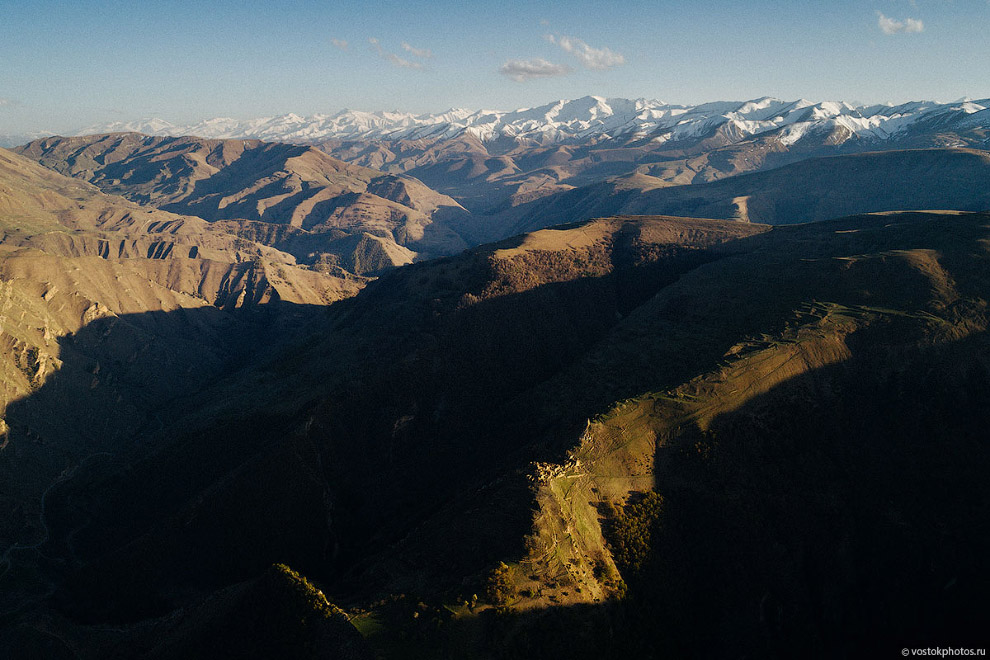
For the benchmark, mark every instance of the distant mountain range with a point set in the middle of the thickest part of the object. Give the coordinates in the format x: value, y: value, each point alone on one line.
x: 491, y: 161
x: 590, y: 117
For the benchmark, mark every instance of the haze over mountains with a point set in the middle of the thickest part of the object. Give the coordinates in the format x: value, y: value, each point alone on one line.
x: 603, y: 378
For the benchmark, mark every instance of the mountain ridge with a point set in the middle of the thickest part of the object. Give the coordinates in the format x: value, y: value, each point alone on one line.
x: 827, y: 187
x: 576, y: 119
x: 294, y: 197
x: 493, y: 160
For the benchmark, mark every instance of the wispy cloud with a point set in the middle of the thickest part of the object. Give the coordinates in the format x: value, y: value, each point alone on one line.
x: 392, y: 58
x: 893, y: 26
x: 425, y: 53
x: 523, y: 70
x: 597, y: 59
x: 7, y: 103
x: 339, y: 43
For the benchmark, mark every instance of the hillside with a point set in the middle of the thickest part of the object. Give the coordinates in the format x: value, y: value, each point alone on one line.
x: 178, y: 300
x: 621, y: 417
x: 45, y: 212
x: 294, y: 198
x: 814, y: 189
x: 333, y: 215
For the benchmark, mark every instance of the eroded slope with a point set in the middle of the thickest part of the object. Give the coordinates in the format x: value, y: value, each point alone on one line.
x: 304, y: 201
x: 110, y: 312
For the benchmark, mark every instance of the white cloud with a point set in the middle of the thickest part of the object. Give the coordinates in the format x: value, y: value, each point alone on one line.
x: 392, y: 58
x: 398, y: 61
x: 417, y: 52
x: 597, y: 59
x: 7, y: 103
x: 523, y: 70
x: 339, y: 43
x: 893, y: 26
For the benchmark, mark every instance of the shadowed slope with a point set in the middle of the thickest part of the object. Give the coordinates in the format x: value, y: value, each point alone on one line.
x: 811, y: 190
x: 492, y: 407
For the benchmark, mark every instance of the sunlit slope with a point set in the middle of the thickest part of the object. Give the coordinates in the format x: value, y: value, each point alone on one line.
x: 816, y: 377
x: 296, y: 198
x: 834, y: 412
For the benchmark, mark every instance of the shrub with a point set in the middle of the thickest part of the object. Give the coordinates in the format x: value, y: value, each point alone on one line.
x: 499, y: 588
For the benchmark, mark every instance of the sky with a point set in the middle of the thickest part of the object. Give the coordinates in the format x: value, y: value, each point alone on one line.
x: 65, y: 65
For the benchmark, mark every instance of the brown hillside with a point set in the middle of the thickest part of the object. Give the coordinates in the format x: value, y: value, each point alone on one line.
x: 816, y: 189
x: 632, y: 437
x: 72, y: 256
x: 243, y: 181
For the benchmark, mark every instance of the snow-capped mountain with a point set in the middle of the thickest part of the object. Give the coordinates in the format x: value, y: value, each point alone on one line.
x: 8, y: 140
x: 588, y: 117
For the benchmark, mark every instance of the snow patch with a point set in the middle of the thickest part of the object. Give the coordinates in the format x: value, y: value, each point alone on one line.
x: 579, y: 119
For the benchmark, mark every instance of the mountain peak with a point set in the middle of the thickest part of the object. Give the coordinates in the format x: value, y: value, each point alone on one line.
x: 565, y: 120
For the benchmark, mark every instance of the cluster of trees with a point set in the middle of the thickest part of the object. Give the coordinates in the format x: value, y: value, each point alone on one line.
x: 630, y: 531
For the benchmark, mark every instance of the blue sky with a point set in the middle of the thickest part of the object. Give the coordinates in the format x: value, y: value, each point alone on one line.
x: 64, y: 65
